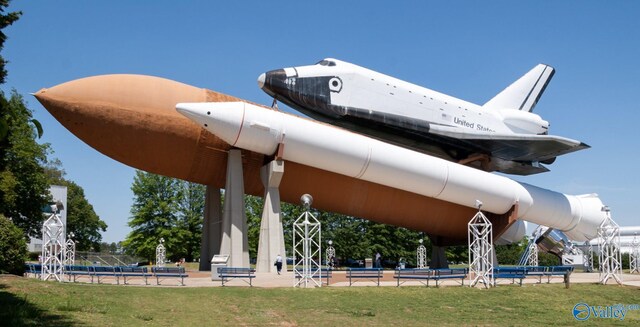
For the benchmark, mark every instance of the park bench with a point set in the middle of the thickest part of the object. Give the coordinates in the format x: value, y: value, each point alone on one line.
x: 169, y: 272
x: 32, y: 269
x: 100, y: 272
x: 325, y: 273
x: 75, y: 272
x: 450, y: 273
x: 537, y: 271
x: 512, y: 273
x: 134, y: 272
x: 419, y: 274
x: 373, y: 274
x: 564, y: 271
x: 227, y: 273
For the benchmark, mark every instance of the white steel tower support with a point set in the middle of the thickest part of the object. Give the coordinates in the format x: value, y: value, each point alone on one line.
x: 161, y: 254
x: 634, y: 256
x: 610, y: 256
x: 480, y: 237
x: 532, y: 259
x: 70, y: 251
x: 591, y: 267
x: 421, y: 255
x: 532, y: 248
x: 53, y: 245
x: 307, y: 248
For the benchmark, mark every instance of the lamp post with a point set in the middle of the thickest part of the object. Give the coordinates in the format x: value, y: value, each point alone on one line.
x: 161, y: 256
x: 421, y: 255
x: 307, y: 248
x: 70, y: 250
x: 330, y: 254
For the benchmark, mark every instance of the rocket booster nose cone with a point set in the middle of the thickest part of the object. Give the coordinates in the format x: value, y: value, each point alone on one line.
x: 223, y: 119
x: 261, y: 80
x: 188, y: 111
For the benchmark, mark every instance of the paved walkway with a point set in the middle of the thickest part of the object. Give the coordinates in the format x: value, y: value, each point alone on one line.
x: 339, y: 279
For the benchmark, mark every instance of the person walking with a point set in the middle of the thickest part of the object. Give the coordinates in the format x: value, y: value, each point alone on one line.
x: 278, y: 263
x: 378, y: 260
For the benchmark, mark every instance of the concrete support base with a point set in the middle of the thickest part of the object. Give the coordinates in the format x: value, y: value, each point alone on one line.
x: 235, y: 242
x: 438, y: 257
x: 211, y: 228
x: 271, y: 242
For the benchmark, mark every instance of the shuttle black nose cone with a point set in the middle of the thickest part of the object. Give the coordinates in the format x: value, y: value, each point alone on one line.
x: 273, y: 82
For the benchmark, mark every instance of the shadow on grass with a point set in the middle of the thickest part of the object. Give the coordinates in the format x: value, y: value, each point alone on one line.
x: 18, y: 311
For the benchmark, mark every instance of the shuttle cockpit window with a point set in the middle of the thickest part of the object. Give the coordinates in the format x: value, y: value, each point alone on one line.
x: 326, y: 63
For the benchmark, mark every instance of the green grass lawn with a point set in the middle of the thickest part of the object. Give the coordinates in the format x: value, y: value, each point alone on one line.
x: 30, y: 302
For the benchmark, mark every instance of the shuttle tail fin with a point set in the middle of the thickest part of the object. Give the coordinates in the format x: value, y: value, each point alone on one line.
x: 524, y: 93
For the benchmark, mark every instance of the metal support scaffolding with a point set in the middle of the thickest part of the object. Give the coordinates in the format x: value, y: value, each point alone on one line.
x: 610, y: 256
x: 421, y: 255
x: 307, y: 249
x: 330, y: 254
x: 480, y: 239
x: 161, y: 254
x: 532, y: 258
x: 53, y: 244
x: 634, y: 256
x: 70, y: 251
x: 590, y: 256
x: 530, y: 255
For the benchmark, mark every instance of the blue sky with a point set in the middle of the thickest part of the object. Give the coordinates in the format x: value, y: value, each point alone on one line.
x: 468, y: 49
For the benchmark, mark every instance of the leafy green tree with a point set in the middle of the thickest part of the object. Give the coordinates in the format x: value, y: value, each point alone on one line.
x: 5, y: 20
x: 393, y: 243
x: 23, y: 182
x: 509, y: 254
x: 13, y: 248
x: 190, y: 218
x: 348, y: 236
x: 110, y: 248
x: 253, y: 207
x: 82, y: 220
x: 458, y: 254
x: 165, y: 208
x: 154, y: 215
x: 548, y: 259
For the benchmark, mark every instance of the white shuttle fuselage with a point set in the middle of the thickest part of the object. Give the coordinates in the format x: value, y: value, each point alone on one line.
x: 502, y: 135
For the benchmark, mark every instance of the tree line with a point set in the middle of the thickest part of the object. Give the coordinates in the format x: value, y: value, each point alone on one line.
x: 172, y: 209
x: 26, y: 172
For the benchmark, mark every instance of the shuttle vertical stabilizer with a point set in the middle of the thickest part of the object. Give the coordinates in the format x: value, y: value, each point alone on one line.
x: 524, y: 93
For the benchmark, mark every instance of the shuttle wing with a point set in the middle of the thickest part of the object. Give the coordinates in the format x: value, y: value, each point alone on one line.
x: 413, y: 133
x: 515, y: 147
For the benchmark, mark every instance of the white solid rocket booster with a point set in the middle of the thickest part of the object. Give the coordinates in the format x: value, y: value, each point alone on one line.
x: 326, y: 147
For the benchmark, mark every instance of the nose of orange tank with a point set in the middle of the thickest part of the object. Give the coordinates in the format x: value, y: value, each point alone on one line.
x: 109, y: 111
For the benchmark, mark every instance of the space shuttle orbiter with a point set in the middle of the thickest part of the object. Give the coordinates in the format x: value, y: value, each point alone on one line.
x: 501, y: 135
